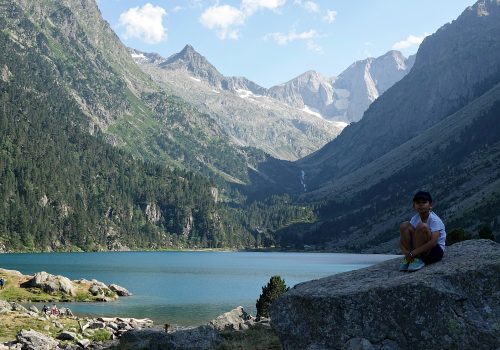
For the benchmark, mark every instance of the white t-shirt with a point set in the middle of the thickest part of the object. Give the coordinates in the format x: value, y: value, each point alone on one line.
x: 435, y: 224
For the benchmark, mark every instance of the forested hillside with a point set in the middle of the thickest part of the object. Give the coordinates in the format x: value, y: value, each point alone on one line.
x: 61, y: 188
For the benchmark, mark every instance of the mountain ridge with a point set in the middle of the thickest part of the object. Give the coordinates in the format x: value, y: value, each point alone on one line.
x: 436, y: 129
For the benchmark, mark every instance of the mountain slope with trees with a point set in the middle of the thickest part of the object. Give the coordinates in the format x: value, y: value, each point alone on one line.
x: 436, y: 129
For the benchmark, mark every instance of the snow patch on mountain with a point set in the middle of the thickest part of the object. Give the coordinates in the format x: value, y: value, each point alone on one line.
x: 310, y: 111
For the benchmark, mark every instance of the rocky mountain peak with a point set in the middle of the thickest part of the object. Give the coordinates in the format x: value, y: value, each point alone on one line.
x: 191, y: 60
x: 483, y: 7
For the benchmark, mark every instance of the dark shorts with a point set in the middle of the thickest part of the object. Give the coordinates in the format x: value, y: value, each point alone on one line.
x: 434, y: 255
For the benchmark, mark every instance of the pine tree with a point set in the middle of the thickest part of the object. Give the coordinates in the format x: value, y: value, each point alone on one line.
x: 272, y: 291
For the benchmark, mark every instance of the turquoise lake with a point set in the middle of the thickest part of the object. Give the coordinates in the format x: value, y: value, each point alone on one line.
x: 185, y: 288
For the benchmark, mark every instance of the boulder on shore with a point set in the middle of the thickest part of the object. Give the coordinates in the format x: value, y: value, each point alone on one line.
x: 452, y: 304
x: 33, y: 340
x: 232, y: 320
x: 123, y: 292
x: 50, y: 283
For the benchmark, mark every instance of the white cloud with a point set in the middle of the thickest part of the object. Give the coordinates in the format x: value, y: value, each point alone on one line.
x: 330, y: 16
x: 283, y: 39
x: 144, y: 23
x: 223, y: 18
x: 411, y: 40
x: 310, y: 6
x: 252, y: 6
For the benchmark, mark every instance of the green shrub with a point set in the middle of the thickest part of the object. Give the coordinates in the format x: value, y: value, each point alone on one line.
x: 457, y: 235
x: 486, y: 233
x: 272, y: 291
x: 101, y: 335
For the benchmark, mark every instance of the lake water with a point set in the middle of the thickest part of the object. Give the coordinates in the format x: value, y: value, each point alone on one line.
x: 184, y: 288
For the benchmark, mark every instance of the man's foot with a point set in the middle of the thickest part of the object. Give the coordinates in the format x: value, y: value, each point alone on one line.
x: 403, y: 266
x: 416, y: 265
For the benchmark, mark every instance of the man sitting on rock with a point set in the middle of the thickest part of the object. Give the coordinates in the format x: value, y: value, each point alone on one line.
x: 422, y: 239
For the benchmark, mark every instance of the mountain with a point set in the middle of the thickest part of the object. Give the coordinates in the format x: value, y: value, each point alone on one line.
x: 436, y: 129
x: 345, y: 98
x: 93, y: 154
x: 199, y: 66
x: 239, y: 106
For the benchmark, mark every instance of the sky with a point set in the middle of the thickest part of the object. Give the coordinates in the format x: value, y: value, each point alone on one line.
x: 273, y: 41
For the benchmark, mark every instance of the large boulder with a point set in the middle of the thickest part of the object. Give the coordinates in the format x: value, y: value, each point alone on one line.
x: 199, y: 338
x: 452, y: 304
x: 33, y: 340
x: 123, y: 292
x: 50, y: 283
x: 231, y: 320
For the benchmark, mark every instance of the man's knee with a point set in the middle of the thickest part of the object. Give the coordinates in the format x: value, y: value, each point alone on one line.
x: 404, y: 226
x: 422, y: 227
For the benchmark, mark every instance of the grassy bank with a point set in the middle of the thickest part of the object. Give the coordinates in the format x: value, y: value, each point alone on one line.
x: 12, y: 290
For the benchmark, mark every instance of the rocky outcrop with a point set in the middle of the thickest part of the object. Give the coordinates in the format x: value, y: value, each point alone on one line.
x: 345, y: 98
x: 33, y: 340
x: 123, y: 292
x: 50, y: 283
x: 453, y: 304
x: 62, y: 288
x: 233, y: 320
x: 203, y: 337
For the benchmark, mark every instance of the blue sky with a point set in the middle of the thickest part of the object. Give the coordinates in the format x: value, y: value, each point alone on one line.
x: 273, y: 41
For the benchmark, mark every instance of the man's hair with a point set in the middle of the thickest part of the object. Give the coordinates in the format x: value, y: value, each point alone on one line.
x: 422, y: 195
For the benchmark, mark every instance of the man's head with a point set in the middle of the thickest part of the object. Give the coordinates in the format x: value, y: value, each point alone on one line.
x: 422, y: 196
x: 422, y: 202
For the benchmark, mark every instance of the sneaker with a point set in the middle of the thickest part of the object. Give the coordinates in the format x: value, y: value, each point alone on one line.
x: 403, y: 266
x: 416, y: 265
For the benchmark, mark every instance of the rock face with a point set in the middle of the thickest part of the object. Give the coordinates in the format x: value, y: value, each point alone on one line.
x: 123, y: 292
x: 203, y: 337
x: 32, y: 340
x: 234, y: 320
x: 345, y: 98
x: 241, y: 107
x: 453, y: 304
x: 50, y: 283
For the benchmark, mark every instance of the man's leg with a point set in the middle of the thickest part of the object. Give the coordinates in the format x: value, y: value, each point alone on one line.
x: 406, y: 234
x: 422, y: 235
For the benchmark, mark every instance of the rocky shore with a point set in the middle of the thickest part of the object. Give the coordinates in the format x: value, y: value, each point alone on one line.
x: 45, y: 287
x: 66, y: 331
x: 27, y: 328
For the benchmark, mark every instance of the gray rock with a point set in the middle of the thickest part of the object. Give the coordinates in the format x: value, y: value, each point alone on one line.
x: 203, y: 337
x: 84, y: 343
x: 65, y: 311
x: 58, y: 324
x: 358, y: 344
x: 5, y: 307
x: 97, y: 325
x: 453, y: 304
x: 67, y: 335
x: 120, y: 290
x: 34, y: 309
x: 95, y: 290
x: 32, y: 340
x: 100, y: 290
x: 18, y: 307
x: 234, y: 319
x: 50, y: 283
